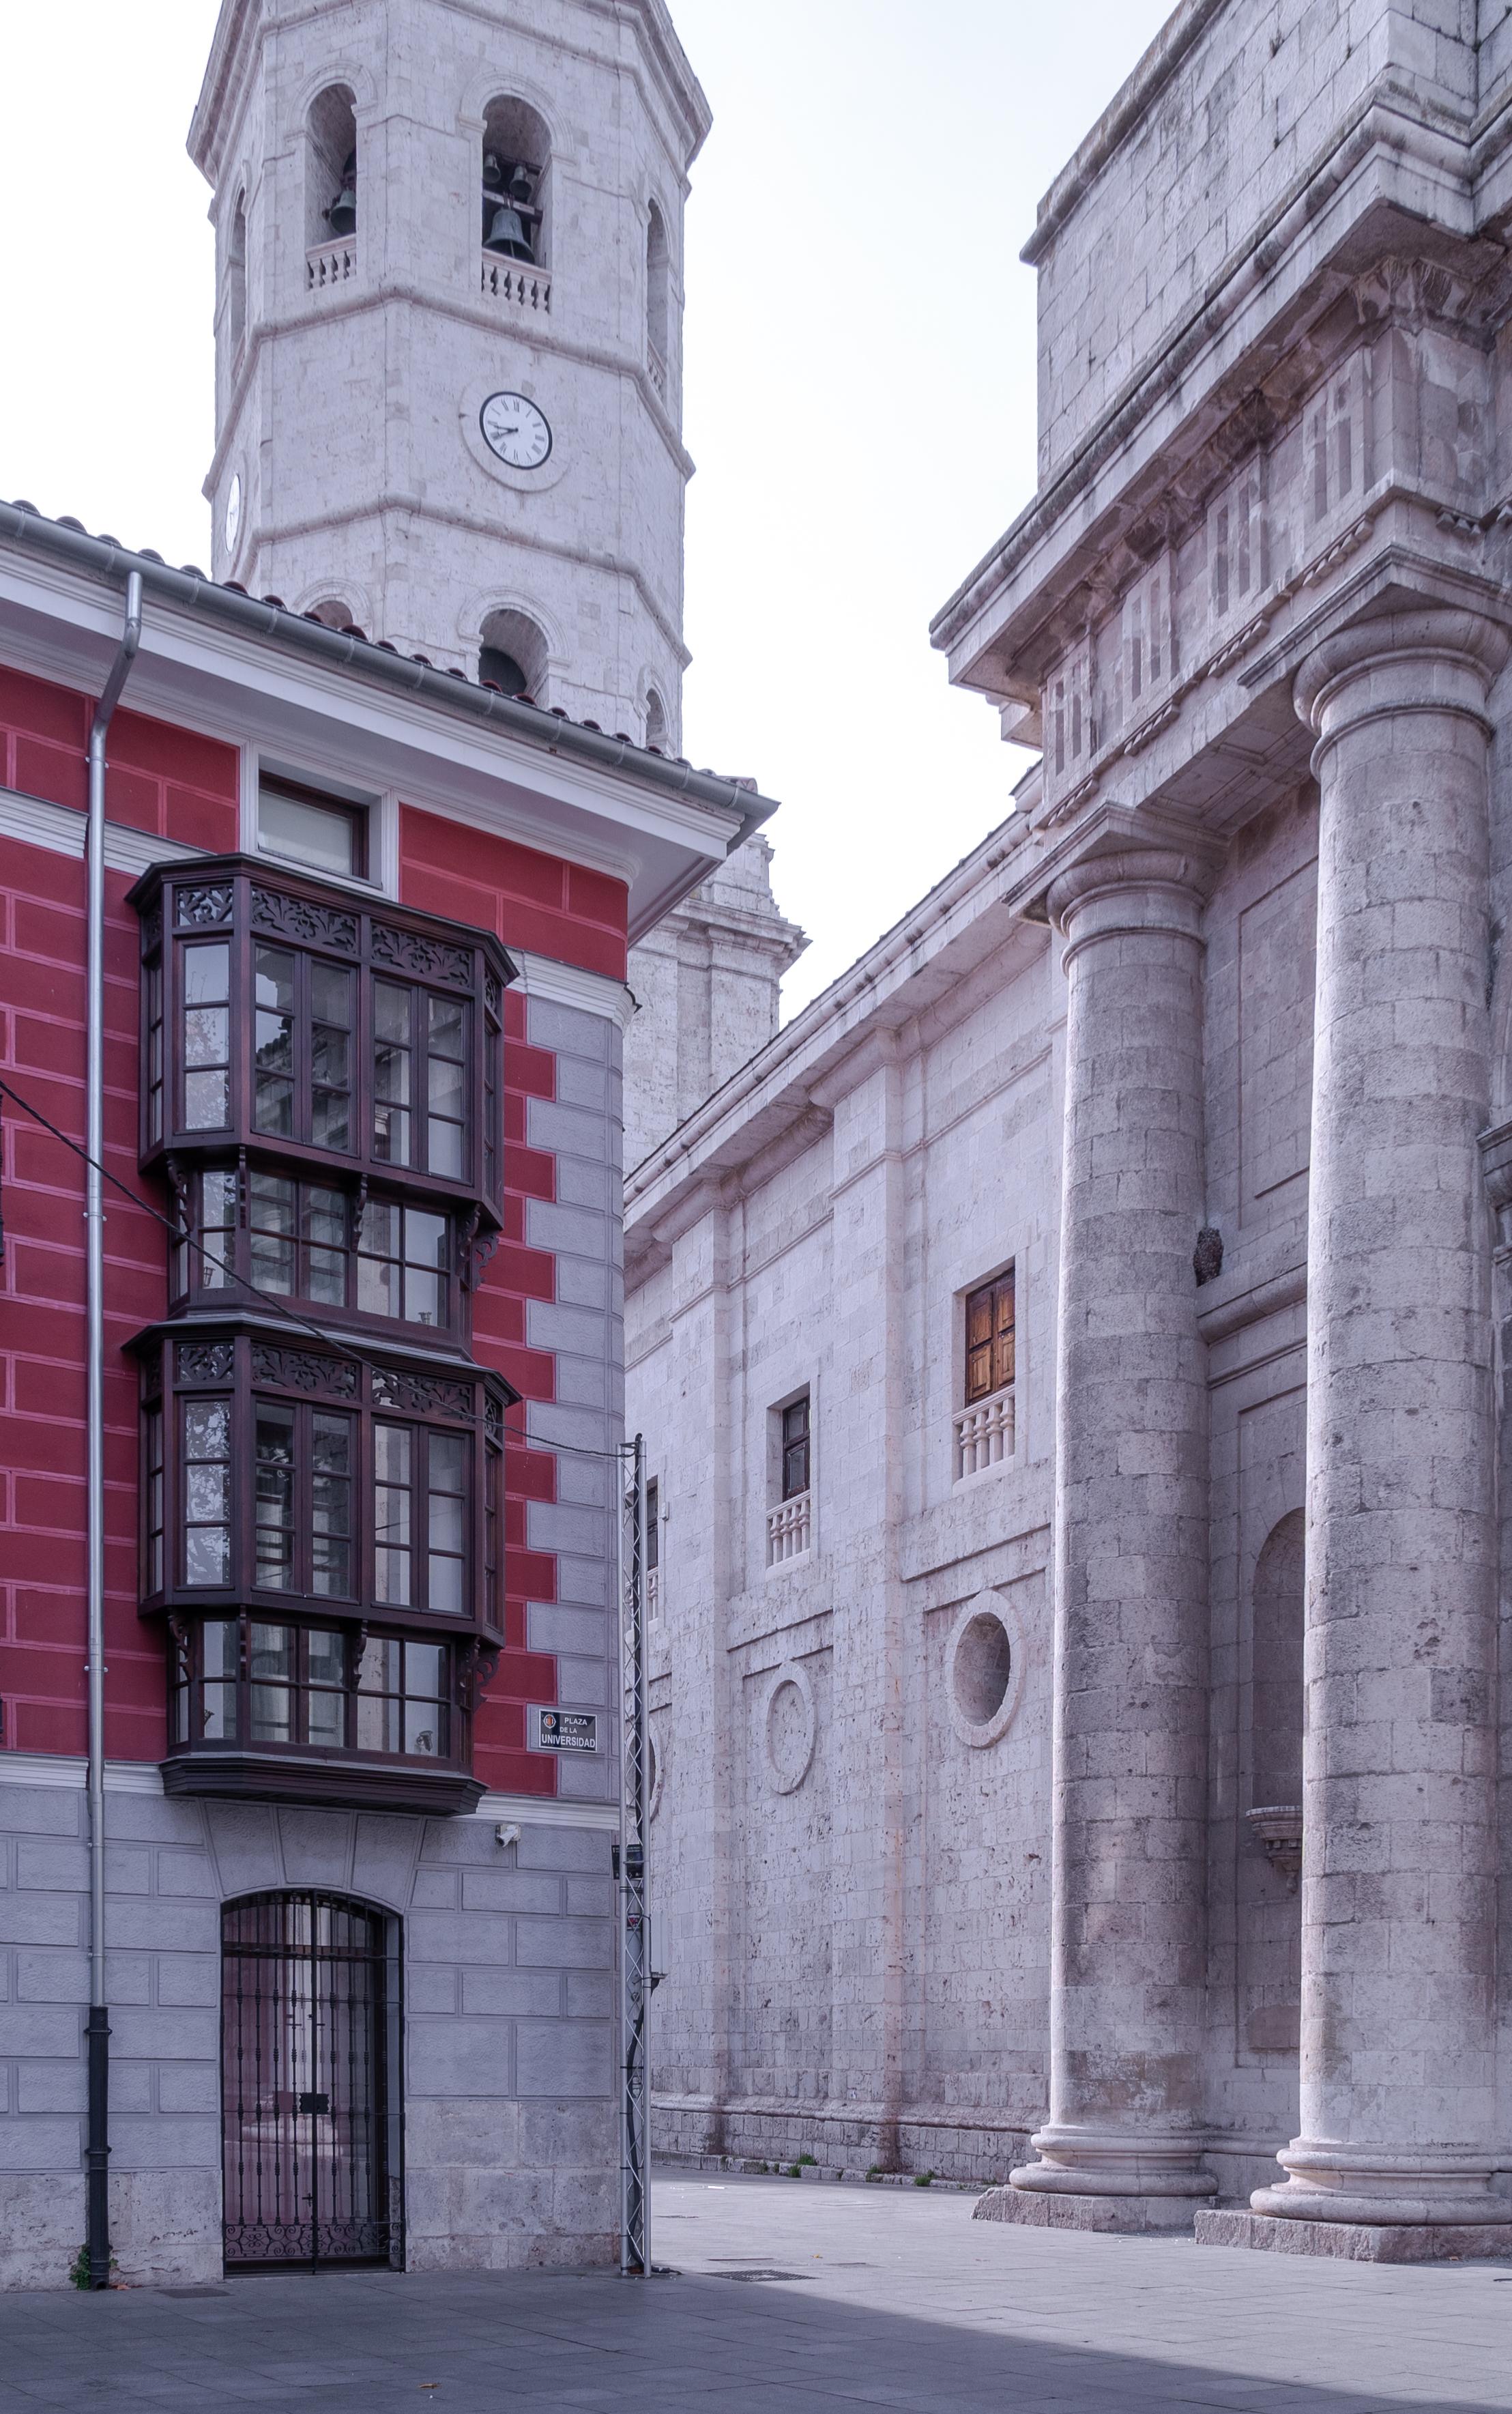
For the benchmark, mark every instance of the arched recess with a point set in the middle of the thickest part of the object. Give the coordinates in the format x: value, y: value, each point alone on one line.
x: 515, y: 191
x: 1277, y: 1699
x: 332, y: 613
x: 656, y: 731
x: 311, y: 2080
x: 332, y: 205
x: 236, y: 275
x: 658, y: 297
x: 513, y: 653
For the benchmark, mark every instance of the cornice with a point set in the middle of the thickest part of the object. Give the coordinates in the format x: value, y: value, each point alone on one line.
x: 1388, y: 126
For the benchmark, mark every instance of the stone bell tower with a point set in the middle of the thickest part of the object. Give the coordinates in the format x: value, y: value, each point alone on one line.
x: 449, y: 333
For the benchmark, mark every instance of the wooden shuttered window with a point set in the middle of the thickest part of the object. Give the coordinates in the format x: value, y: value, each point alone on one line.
x: 989, y: 1339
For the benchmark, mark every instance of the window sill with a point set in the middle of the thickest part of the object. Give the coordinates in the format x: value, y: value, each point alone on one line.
x: 799, y: 1560
x: 341, y: 1782
x: 984, y: 1474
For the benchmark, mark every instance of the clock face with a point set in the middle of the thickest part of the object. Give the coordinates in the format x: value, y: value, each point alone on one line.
x: 234, y: 514
x: 515, y: 430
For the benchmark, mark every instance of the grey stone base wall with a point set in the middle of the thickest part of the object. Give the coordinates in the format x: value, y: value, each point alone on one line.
x: 952, y: 2149
x: 509, y: 2117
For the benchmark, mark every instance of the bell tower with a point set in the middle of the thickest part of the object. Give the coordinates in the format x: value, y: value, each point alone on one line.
x: 449, y: 333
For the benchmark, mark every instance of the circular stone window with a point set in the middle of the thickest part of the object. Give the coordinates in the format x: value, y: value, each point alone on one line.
x: 789, y: 1728
x: 984, y: 1670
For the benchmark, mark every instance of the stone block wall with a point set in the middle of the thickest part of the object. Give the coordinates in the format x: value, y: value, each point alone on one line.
x: 1232, y: 111
x: 508, y: 2030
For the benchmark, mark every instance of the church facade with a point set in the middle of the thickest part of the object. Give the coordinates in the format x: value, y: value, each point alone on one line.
x: 1071, y: 1353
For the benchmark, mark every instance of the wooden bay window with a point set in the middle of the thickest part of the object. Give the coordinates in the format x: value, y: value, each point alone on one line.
x: 321, y: 1517
x: 279, y: 1015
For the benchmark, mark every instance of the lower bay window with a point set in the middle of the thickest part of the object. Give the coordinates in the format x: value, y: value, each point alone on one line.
x: 325, y: 1536
x: 245, y: 1680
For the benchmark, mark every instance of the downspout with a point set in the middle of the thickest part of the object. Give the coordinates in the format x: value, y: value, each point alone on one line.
x: 97, y: 2027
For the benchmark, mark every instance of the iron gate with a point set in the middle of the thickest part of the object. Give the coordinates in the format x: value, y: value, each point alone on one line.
x: 304, y: 2067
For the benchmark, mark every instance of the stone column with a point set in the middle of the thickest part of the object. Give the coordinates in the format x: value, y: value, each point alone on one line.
x: 1123, y: 2142
x: 1398, y: 1909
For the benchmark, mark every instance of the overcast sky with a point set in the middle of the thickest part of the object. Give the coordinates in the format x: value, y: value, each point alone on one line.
x: 860, y: 371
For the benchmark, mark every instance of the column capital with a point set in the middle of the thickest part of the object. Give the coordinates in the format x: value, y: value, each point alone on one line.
x: 1145, y: 870
x: 1428, y: 657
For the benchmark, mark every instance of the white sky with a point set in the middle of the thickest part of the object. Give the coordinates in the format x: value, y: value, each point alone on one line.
x: 860, y: 371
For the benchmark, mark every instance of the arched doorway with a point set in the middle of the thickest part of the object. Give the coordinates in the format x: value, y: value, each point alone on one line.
x: 309, y: 2036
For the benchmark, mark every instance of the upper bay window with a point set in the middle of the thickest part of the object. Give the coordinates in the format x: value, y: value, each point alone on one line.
x: 279, y: 1015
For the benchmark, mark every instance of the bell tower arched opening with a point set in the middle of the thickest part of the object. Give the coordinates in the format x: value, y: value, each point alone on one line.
x: 330, y: 167
x: 516, y: 179
x: 514, y: 654
x: 236, y: 278
x: 658, y: 299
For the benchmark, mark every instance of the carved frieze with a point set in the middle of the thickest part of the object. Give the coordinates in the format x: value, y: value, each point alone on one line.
x: 408, y: 951
x: 296, y: 917
x: 420, y: 1396
x: 204, y: 908
x: 305, y: 1370
x: 205, y: 1361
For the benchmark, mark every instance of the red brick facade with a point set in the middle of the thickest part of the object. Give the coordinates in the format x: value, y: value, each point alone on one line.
x: 180, y: 785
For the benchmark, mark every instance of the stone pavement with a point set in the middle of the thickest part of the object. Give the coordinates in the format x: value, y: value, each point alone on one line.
x: 896, y: 2301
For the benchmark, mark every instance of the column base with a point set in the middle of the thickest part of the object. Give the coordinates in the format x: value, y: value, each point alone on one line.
x: 1413, y: 2187
x: 1357, y: 2242
x: 1128, y: 2216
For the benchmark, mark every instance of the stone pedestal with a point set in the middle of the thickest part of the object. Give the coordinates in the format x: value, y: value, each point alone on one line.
x: 1131, y: 1643
x: 1358, y: 2241
x: 1399, y: 1913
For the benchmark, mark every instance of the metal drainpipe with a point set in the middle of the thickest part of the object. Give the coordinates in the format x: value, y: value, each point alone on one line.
x: 98, y: 2028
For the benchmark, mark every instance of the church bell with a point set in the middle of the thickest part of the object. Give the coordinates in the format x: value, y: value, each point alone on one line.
x: 342, y: 215
x: 507, y: 235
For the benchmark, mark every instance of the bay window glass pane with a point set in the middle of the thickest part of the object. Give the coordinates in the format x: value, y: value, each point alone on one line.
x: 206, y: 1492
x: 424, y: 1266
x: 271, y: 1217
x: 325, y: 1662
x: 392, y: 1057
x: 378, y: 1283
x: 379, y: 1667
x: 332, y: 1002
x: 446, y: 1051
x: 325, y: 1717
x: 425, y: 1670
x: 379, y: 1723
x: 275, y: 1498
x: 207, y: 1028
x: 422, y: 1728
x: 154, y: 1050
x: 446, y: 1487
x: 274, y: 1109
x: 325, y: 1233
x: 379, y: 1709
x: 394, y: 1462
x: 154, y: 1501
x: 219, y: 1638
x: 331, y: 1505
x: 272, y: 1660
x: 210, y: 1266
